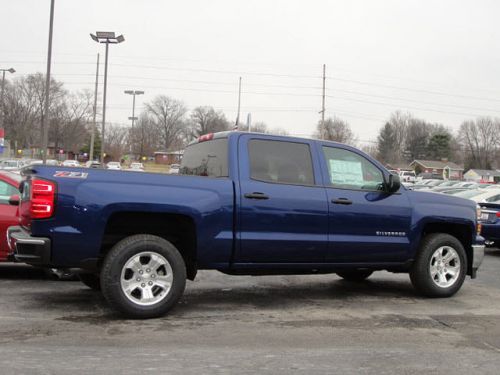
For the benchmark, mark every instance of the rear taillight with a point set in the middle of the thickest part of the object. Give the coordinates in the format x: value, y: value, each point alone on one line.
x: 43, y: 194
x: 497, y: 214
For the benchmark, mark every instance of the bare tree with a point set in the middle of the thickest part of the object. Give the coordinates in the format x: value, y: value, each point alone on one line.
x: 336, y: 129
x: 480, y: 139
x: 206, y: 120
x: 143, y: 138
x: 116, y: 141
x: 167, y: 115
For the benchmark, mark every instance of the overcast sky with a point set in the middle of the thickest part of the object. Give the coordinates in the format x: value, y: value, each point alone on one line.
x: 439, y: 60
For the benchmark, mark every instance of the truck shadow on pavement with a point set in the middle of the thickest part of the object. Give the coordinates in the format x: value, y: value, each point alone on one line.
x: 84, y: 304
x: 16, y: 271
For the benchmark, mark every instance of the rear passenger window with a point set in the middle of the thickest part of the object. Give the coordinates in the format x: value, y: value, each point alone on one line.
x: 280, y: 162
x: 207, y: 159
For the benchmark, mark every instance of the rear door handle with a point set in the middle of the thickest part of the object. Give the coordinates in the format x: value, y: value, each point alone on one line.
x: 341, y: 201
x: 256, y: 195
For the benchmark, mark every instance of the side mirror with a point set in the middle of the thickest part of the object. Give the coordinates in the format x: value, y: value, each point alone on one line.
x: 14, y: 200
x: 393, y: 184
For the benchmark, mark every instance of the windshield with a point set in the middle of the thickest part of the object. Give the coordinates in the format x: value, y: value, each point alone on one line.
x: 469, y: 193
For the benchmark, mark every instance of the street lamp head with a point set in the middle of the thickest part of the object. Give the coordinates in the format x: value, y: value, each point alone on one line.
x: 11, y: 70
x: 105, y: 35
x: 134, y: 92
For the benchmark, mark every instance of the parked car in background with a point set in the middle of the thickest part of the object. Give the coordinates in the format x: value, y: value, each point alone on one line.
x: 174, y: 169
x: 114, y: 165
x: 407, y: 176
x: 92, y: 164
x: 137, y: 167
x: 70, y: 163
x: 9, y: 186
x: 429, y: 176
x: 468, y: 184
x: 490, y: 223
x: 481, y: 195
x: 11, y: 164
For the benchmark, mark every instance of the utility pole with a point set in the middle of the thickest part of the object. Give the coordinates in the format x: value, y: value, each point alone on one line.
x: 11, y: 70
x: 249, y: 121
x: 239, y: 103
x: 45, y: 117
x: 323, y: 130
x: 94, y: 123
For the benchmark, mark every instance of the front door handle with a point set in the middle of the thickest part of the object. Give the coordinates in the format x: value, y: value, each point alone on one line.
x: 341, y: 201
x: 256, y: 195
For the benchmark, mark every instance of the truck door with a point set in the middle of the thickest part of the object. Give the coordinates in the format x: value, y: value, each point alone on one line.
x: 283, y: 211
x: 366, y: 224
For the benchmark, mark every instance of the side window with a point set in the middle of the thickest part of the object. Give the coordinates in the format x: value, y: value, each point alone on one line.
x: 348, y: 170
x: 208, y: 159
x: 6, y: 190
x: 280, y: 162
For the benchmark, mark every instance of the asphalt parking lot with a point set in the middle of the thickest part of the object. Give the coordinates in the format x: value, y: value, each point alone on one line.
x: 280, y: 324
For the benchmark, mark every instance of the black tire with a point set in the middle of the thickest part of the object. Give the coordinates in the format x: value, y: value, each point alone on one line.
x: 355, y: 275
x: 123, y: 252
x: 420, y: 273
x: 91, y: 280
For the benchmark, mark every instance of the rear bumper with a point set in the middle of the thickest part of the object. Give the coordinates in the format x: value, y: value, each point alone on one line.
x: 28, y: 249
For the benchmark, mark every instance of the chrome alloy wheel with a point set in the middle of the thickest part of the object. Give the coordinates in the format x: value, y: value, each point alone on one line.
x: 444, y: 266
x: 146, y: 278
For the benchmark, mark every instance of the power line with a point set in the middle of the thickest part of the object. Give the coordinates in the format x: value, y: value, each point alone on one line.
x: 413, y: 89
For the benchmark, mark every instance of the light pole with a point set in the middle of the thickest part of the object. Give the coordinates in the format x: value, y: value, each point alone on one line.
x: 133, y: 118
x: 106, y: 37
x: 11, y: 70
x: 133, y: 93
x: 45, y: 117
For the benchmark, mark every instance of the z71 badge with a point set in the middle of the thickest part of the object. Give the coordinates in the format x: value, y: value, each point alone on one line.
x: 71, y: 174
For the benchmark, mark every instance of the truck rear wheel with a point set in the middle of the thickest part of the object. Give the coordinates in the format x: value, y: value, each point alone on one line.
x: 355, y: 275
x: 143, y: 276
x: 440, y: 266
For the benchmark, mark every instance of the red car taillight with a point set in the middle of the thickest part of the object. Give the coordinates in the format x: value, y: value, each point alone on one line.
x: 43, y: 194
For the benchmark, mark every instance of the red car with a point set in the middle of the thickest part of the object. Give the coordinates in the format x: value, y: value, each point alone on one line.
x: 9, y: 186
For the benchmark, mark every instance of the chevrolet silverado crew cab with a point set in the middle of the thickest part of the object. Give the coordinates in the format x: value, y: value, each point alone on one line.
x: 243, y: 204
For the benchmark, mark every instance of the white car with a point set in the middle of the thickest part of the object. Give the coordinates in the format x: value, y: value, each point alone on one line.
x: 174, y: 169
x: 137, y: 167
x: 92, y: 164
x: 114, y: 165
x: 11, y: 164
x: 481, y: 195
x: 70, y: 163
x: 407, y: 176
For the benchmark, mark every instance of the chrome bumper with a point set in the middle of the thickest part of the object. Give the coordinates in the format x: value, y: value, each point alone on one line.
x: 477, y: 258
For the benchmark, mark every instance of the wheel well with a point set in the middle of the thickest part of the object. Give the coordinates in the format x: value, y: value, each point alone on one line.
x: 460, y: 231
x: 177, y: 229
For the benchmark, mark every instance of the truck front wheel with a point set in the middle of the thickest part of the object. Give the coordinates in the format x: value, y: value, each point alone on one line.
x: 143, y: 276
x: 440, y: 266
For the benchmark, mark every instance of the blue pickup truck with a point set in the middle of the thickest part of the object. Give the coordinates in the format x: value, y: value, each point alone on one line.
x: 243, y: 204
